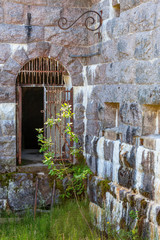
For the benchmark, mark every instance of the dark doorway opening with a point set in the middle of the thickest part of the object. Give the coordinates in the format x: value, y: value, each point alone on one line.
x: 32, y: 118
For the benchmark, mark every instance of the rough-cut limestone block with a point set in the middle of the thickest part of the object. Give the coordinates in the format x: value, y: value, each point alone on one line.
x: 14, y: 13
x: 88, y: 143
x: 126, y: 177
x: 115, y: 2
x: 7, y: 128
x: 151, y: 142
x: 20, y: 56
x: 149, y: 94
x: 43, y: 16
x: 146, y: 72
x: 39, y: 49
x: 111, y: 134
x: 3, y: 204
x: 5, y: 51
x: 93, y: 127
x: 73, y: 36
x: 125, y: 5
x: 98, y: 214
x: 18, y: 34
x: 125, y: 47
x: 7, y: 79
x: 108, y: 150
x: 11, y: 66
x: 144, y: 47
x: 92, y: 163
x: 128, y: 155
x: 94, y: 146
x: 107, y: 168
x: 79, y: 126
x: 7, y: 111
x: 129, y: 133
x: 79, y: 111
x: 131, y: 114
x: 7, y: 94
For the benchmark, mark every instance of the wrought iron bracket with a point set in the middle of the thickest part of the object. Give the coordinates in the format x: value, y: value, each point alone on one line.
x: 62, y: 22
x: 28, y: 26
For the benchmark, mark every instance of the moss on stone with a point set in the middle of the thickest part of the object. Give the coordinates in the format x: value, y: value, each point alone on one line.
x: 5, y: 179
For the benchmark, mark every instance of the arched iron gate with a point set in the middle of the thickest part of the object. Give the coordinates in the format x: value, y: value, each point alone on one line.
x: 49, y: 74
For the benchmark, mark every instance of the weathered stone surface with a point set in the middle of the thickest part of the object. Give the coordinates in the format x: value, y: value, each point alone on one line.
x: 5, y: 51
x: 13, y: 13
x: 79, y: 126
x: 1, y: 14
x: 144, y: 46
x: 130, y: 113
x: 12, y: 66
x: 32, y: 2
x: 88, y: 143
x: 93, y: 127
x: 130, y: 4
x: 44, y: 16
x: 40, y: 49
x: 108, y: 150
x: 79, y: 111
x: 77, y: 80
x: 112, y: 134
x: 3, y: 204
x: 7, y: 94
x: 146, y: 72
x: 72, y: 36
x: 126, y: 177
x: 128, y: 155
x: 147, y: 188
x: 6, y: 78
x: 17, y: 33
x: 21, y: 188
x: 92, y: 163
x: 20, y: 56
x: 7, y: 111
x: 129, y: 133
x: 92, y: 110
x: 94, y: 146
x: 7, y: 127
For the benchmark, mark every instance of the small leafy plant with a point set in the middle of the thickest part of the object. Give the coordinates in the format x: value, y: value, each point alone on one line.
x: 76, y: 174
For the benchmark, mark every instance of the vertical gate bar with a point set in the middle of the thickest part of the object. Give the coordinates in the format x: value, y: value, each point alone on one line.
x: 60, y: 128
x: 20, y: 125
x: 55, y: 111
x: 45, y: 110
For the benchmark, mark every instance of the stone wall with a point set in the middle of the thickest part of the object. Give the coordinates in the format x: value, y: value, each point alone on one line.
x: 120, y: 105
x: 46, y: 40
x: 116, y: 94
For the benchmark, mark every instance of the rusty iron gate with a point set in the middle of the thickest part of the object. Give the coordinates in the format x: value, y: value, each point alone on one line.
x: 49, y: 74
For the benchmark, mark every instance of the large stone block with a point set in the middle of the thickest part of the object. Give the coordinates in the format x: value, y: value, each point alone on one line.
x: 146, y: 73
x: 126, y: 177
x: 6, y: 78
x: 71, y: 37
x: 13, y: 13
x: 7, y: 94
x: 128, y: 155
x: 7, y: 111
x: 44, y: 16
x: 92, y: 110
x: 21, y: 188
x: 20, y: 56
x: 144, y: 49
x: 149, y: 94
x: 88, y: 143
x: 12, y: 66
x: 131, y: 114
x: 93, y: 127
x: 39, y: 49
x: 130, y: 4
x: 7, y: 127
x: 147, y: 188
x: 5, y: 51
x: 125, y: 47
x: 108, y: 150
x: 79, y: 111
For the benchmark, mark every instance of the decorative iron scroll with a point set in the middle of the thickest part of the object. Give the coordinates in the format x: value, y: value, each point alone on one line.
x: 62, y: 22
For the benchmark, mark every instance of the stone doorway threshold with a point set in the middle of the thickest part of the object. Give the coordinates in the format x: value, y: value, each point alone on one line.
x: 32, y: 157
